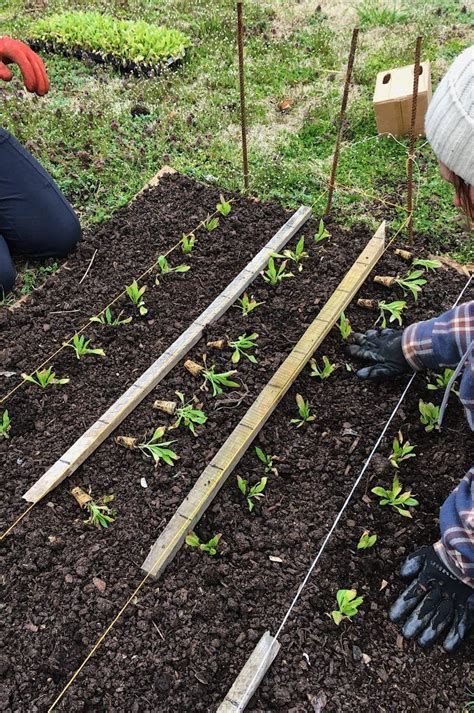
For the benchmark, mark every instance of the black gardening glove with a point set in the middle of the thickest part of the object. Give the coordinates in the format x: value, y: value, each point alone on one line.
x: 384, y: 349
x: 435, y: 603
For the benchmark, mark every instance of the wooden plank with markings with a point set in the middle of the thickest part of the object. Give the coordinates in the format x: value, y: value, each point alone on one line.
x: 125, y: 404
x: 216, y: 473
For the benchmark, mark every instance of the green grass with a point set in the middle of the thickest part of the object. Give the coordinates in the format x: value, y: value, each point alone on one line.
x: 85, y: 134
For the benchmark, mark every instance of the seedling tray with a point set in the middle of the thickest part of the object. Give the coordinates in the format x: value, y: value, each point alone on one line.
x: 180, y: 645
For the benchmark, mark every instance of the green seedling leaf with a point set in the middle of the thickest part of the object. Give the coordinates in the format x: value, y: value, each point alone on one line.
x: 44, y: 378
x: 366, y: 541
x: 219, y: 380
x: 348, y: 605
x: 109, y: 320
x: 304, y: 411
x: 274, y: 275
x: 5, y: 425
x: 393, y: 310
x: 247, y: 304
x: 81, y: 347
x: 429, y: 415
x: 224, y: 207
x: 135, y: 295
x: 430, y: 265
x: 187, y: 243
x: 322, y: 233
x: 401, y: 451
x: 158, y: 449
x: 344, y: 326
x: 188, y: 415
x: 242, y: 345
x: 395, y: 498
x: 325, y: 372
x: 441, y: 381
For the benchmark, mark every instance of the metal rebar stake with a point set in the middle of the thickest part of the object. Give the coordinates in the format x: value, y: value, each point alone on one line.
x: 335, y: 161
x: 240, y: 43
x: 411, y: 148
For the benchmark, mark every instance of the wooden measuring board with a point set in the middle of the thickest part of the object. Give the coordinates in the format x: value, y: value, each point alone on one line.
x: 216, y: 473
x: 251, y: 675
x: 125, y: 404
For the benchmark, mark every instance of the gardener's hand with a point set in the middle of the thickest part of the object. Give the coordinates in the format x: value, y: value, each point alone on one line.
x: 384, y: 349
x: 435, y: 603
x: 31, y: 66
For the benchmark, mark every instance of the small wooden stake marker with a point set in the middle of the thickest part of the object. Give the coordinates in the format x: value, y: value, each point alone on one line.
x: 251, y: 675
x: 125, y: 404
x: 216, y: 473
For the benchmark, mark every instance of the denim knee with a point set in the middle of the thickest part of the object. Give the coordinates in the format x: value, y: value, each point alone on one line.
x: 7, y: 276
x: 60, y: 236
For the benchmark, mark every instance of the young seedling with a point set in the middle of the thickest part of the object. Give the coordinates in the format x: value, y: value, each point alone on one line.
x: 81, y: 347
x: 5, y: 425
x: 296, y: 255
x: 366, y: 541
x: 322, y: 233
x: 166, y: 269
x: 157, y: 449
x: 326, y: 370
x: 135, y: 294
x: 247, y: 304
x: 218, y: 380
x: 429, y: 415
x: 100, y: 514
x: 224, y: 207
x: 412, y: 282
x: 344, y: 326
x: 401, y: 450
x: 187, y: 243
x: 108, y: 319
x: 44, y: 378
x: 348, y: 605
x: 267, y: 460
x: 252, y: 493
x: 441, y: 381
x: 274, y: 275
x: 210, y: 547
x: 188, y: 415
x: 395, y: 498
x: 241, y: 347
x: 211, y: 224
x: 304, y: 411
x: 393, y: 310
x: 430, y: 265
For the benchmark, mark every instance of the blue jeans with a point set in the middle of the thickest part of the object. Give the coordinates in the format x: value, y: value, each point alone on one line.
x: 35, y: 218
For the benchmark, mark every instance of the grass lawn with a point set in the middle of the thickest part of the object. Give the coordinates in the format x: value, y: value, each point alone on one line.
x: 100, y: 152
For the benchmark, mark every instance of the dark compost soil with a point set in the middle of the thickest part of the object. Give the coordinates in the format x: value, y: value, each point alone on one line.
x: 181, y: 644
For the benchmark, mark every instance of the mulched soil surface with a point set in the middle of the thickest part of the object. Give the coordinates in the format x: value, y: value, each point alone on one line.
x: 180, y: 645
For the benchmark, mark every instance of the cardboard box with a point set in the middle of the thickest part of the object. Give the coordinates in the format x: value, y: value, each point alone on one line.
x: 393, y: 99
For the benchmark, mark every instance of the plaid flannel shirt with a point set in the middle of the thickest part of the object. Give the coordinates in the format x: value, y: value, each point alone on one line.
x: 438, y: 343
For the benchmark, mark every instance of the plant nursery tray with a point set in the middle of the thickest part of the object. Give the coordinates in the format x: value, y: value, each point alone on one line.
x: 183, y: 640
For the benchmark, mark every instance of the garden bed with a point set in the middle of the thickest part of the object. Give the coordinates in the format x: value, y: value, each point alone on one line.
x: 181, y: 644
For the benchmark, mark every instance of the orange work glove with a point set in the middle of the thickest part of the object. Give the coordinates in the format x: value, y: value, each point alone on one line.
x: 31, y: 66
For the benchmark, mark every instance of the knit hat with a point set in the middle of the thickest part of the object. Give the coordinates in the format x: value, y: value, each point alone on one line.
x: 449, y: 123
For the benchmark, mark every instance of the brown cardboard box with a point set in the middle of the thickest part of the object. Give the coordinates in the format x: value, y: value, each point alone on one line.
x: 393, y: 99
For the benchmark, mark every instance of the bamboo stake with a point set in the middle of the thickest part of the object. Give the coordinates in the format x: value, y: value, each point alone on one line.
x: 345, y: 95
x: 243, y: 123
x: 411, y: 149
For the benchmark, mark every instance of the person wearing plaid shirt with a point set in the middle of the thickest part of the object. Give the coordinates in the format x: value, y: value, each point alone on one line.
x: 439, y: 601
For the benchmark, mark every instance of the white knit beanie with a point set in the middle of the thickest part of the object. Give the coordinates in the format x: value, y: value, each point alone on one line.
x: 449, y: 123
